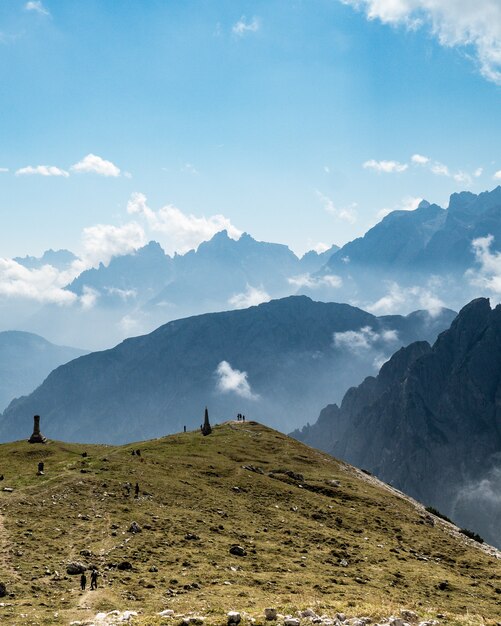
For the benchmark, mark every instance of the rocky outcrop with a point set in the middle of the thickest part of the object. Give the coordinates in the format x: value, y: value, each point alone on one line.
x: 430, y: 422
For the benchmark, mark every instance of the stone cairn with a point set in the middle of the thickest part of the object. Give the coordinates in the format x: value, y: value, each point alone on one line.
x: 37, y: 436
x: 206, y: 428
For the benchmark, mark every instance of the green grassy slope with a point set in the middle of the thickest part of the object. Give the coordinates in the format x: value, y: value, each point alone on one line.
x: 352, y: 545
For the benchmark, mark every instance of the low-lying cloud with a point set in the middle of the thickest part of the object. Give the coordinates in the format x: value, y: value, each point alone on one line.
x: 233, y: 381
x: 252, y: 296
x: 364, y: 339
x: 407, y: 298
x: 487, y: 274
x: 315, y: 282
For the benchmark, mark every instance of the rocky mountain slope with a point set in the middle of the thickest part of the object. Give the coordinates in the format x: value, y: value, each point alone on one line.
x: 243, y: 519
x: 26, y: 360
x: 429, y: 423
x: 279, y: 360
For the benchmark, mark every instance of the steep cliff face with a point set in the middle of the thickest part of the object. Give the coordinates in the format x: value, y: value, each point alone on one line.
x: 430, y: 423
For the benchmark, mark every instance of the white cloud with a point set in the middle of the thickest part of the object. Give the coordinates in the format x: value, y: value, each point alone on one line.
x: 104, y: 241
x: 244, y: 26
x: 181, y: 232
x: 463, y: 23
x: 439, y: 169
x: 462, y: 177
x: 96, y: 165
x: 37, y: 6
x: 419, y: 159
x: 89, y: 297
x: 233, y: 380
x: 41, y: 170
x: 321, y: 247
x: 4, y: 169
x: 314, y: 282
x: 497, y: 175
x: 42, y: 285
x: 409, y: 203
x: 250, y: 297
x: 386, y: 167
x: 407, y: 298
x: 346, y: 214
x: 487, y: 275
x: 364, y: 339
x: 478, y: 172
x: 123, y: 294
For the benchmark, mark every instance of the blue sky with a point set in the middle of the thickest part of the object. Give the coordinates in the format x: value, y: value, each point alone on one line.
x: 294, y: 121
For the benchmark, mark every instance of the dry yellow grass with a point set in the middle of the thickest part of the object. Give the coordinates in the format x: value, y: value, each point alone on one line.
x: 354, y: 547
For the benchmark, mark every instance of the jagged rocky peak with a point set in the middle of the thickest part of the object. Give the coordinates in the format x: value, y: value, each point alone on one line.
x: 473, y: 204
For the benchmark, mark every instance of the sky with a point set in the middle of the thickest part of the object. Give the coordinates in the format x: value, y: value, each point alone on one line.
x: 299, y: 122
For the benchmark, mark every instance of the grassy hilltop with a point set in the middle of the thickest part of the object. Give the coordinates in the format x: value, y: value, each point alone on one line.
x: 334, y: 539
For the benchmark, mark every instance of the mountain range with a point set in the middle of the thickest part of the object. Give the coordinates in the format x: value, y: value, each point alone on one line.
x: 26, y: 360
x: 430, y: 257
x: 279, y: 361
x: 429, y: 423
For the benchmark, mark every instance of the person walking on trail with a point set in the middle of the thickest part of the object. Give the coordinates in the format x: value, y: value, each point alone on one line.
x: 93, y: 580
x: 83, y: 581
x: 136, y: 490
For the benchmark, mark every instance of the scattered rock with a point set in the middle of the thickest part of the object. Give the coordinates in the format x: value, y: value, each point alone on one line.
x: 192, y: 537
x: 309, y: 613
x: 234, y: 618
x: 75, y: 568
x: 166, y: 613
x: 270, y: 614
x: 8, y: 489
x: 135, y: 528
x: 238, y: 551
x: 86, y: 553
x: 409, y: 616
x: 124, y: 565
x: 443, y: 585
x: 153, y: 568
x: 291, y: 621
x: 3, y: 590
x: 253, y: 468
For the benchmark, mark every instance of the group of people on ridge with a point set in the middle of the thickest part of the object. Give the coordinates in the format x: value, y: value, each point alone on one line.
x: 93, y: 580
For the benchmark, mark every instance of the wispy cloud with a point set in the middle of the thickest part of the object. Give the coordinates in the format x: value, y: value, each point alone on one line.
x: 315, y: 282
x: 346, y: 213
x: 181, y: 232
x: 245, y: 26
x: 37, y: 7
x: 93, y: 164
x: 473, y: 25
x: 399, y: 298
x: 419, y: 159
x: 386, y: 167
x: 42, y: 170
x: 497, y: 175
x: 233, y: 380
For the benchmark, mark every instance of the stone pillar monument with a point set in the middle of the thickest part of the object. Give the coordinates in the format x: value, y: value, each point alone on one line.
x: 206, y: 428
x: 37, y: 436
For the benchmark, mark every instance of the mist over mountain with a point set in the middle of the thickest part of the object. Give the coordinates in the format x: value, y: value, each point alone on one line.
x: 25, y: 361
x: 60, y: 259
x: 429, y: 423
x: 430, y: 254
x: 278, y: 361
x: 137, y: 292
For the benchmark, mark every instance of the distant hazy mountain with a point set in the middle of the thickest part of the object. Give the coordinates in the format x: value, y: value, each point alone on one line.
x: 133, y: 277
x: 138, y: 292
x: 429, y: 423
x: 26, y: 360
x: 414, y: 249
x: 60, y: 259
x: 278, y: 362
